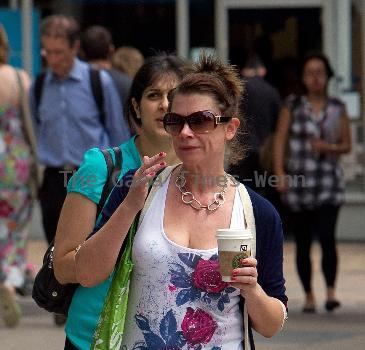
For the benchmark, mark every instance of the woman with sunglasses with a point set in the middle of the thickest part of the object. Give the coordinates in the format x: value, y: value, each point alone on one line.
x: 177, y: 297
x: 146, y: 105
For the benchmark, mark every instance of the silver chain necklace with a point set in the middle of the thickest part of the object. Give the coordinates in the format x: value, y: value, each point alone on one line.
x: 188, y: 197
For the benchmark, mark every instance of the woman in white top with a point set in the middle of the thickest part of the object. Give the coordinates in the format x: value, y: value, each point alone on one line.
x: 177, y: 297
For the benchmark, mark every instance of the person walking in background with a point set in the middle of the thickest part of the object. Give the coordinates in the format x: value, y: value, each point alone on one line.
x: 127, y: 59
x: 18, y: 181
x: 67, y: 118
x: 177, y: 298
x: 146, y: 105
x: 260, y: 106
x: 74, y: 108
x: 96, y: 47
x: 315, y: 129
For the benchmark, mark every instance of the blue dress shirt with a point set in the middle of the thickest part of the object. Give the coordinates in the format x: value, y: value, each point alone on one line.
x: 69, y: 121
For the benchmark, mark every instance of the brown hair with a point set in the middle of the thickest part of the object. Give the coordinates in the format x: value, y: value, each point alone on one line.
x: 96, y: 43
x: 223, y: 83
x: 59, y: 26
x: 128, y: 60
x: 4, y: 46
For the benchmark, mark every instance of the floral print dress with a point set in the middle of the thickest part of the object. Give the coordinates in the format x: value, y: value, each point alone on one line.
x: 15, y: 203
x: 177, y: 298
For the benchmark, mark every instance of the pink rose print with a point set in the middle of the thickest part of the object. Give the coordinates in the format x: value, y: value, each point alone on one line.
x: 172, y: 288
x: 5, y: 209
x: 207, y: 277
x: 198, y: 326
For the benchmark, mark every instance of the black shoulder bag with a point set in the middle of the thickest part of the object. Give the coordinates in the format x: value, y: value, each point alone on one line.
x: 47, y: 292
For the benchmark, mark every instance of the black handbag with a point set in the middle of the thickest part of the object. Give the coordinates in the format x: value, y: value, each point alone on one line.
x: 47, y: 292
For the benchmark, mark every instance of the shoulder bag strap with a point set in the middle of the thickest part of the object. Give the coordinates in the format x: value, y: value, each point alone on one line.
x: 118, y: 160
x: 28, y: 130
x: 248, y: 214
x: 113, y: 171
x: 109, y: 181
x: 118, y: 156
x: 25, y: 114
x: 250, y: 224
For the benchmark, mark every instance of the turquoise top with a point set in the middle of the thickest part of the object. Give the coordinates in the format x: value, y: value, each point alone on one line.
x: 87, y: 303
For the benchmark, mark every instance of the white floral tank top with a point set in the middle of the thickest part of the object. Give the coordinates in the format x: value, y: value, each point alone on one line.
x: 177, y: 297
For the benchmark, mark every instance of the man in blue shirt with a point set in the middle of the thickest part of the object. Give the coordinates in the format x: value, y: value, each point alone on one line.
x: 67, y: 118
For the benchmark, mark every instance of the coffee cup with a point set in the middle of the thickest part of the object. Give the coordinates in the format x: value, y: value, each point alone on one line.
x: 233, y: 246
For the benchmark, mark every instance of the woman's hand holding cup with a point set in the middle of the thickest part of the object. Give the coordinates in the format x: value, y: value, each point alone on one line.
x: 245, y: 277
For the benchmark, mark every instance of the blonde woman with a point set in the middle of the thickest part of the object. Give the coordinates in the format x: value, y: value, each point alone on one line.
x: 17, y: 186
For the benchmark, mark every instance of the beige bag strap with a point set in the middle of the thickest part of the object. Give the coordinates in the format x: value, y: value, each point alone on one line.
x: 250, y: 224
x: 248, y: 213
x: 25, y: 111
x: 27, y: 125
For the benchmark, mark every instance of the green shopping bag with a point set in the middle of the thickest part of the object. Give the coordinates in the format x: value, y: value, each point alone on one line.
x: 109, y: 331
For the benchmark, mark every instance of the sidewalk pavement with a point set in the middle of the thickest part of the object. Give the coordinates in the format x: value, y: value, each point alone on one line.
x: 341, y: 330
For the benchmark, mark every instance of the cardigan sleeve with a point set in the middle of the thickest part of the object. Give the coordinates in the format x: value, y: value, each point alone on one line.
x: 269, y: 248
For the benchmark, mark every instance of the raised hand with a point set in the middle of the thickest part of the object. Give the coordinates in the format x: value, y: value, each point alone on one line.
x: 139, y: 188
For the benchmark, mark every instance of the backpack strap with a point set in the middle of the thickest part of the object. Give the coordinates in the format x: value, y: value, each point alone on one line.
x: 113, y: 171
x: 97, y: 90
x: 38, y: 89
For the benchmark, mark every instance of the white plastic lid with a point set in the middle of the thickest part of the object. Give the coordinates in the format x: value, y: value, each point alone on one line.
x: 234, y: 233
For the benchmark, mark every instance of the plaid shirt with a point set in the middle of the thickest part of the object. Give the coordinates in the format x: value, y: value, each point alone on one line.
x: 314, y: 179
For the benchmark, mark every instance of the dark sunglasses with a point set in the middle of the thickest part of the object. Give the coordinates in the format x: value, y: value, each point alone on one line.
x: 200, y: 122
